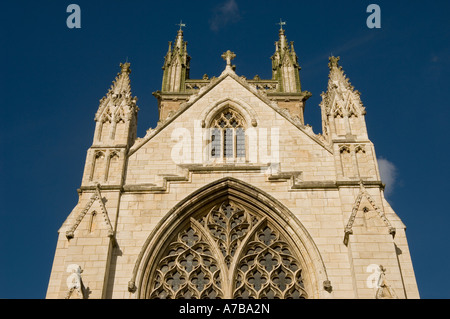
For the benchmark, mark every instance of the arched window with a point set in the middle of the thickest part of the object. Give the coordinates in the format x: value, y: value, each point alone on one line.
x: 228, y: 135
x: 228, y: 252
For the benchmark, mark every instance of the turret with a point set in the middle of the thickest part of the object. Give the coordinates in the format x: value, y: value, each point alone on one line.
x: 115, y: 132
x: 342, y: 110
x: 176, y: 65
x: 285, y: 73
x: 175, y: 73
x: 344, y: 127
x: 285, y: 67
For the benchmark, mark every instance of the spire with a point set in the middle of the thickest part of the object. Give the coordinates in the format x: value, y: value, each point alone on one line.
x: 179, y: 43
x: 285, y: 66
x: 341, y: 104
x: 337, y: 76
x: 282, y: 36
x: 119, y: 95
x: 122, y: 82
x: 176, y: 64
x: 282, y: 41
x: 340, y: 89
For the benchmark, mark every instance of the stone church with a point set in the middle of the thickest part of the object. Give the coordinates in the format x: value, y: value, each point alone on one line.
x: 232, y: 195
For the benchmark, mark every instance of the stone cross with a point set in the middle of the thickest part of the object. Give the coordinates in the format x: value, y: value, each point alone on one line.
x: 228, y: 56
x: 181, y: 24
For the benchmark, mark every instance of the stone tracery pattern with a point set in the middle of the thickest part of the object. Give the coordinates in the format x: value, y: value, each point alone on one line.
x: 188, y: 271
x: 228, y: 225
x: 268, y: 269
x: 254, y: 256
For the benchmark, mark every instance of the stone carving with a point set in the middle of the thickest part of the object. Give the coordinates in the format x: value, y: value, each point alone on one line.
x: 74, y: 282
x: 341, y: 98
x: 189, y: 269
x: 118, y: 104
x: 228, y: 56
x: 268, y: 269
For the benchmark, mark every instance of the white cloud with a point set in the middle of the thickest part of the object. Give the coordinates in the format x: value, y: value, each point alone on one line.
x: 388, y: 173
x: 225, y: 13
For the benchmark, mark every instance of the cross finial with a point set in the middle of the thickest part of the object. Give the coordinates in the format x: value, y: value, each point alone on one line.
x: 181, y: 24
x: 281, y: 23
x: 228, y: 56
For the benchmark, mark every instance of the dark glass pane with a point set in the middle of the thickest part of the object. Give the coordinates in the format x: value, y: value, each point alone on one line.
x: 228, y: 143
x: 240, y: 142
x: 215, y: 143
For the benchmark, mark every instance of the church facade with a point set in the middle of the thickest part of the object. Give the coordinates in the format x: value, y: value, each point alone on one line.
x: 232, y: 195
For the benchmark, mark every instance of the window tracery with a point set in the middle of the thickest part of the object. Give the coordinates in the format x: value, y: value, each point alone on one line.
x: 228, y: 252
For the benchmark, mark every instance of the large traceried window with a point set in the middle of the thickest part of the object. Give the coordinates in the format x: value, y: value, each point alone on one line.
x: 228, y: 135
x: 228, y: 252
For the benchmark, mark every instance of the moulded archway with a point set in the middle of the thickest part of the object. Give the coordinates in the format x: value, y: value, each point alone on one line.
x: 229, y: 240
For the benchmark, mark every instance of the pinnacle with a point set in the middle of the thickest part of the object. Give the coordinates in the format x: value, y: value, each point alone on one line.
x: 339, y: 84
x: 122, y: 81
x: 333, y: 62
x: 125, y: 67
x: 337, y: 76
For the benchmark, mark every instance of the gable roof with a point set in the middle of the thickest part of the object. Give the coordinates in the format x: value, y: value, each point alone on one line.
x: 228, y: 72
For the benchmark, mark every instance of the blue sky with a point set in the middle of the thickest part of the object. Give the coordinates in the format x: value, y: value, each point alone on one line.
x: 53, y: 77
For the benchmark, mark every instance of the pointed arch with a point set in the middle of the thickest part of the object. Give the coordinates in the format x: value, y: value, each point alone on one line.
x: 239, y: 106
x: 231, y: 123
x: 263, y: 216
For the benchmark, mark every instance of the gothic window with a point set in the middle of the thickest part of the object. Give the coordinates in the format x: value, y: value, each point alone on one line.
x: 346, y: 161
x: 268, y: 270
x: 228, y: 252
x: 113, y: 165
x: 105, y: 124
x: 362, y: 160
x: 228, y: 135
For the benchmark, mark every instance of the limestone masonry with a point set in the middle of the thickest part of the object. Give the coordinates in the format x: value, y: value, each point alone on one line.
x: 232, y: 195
